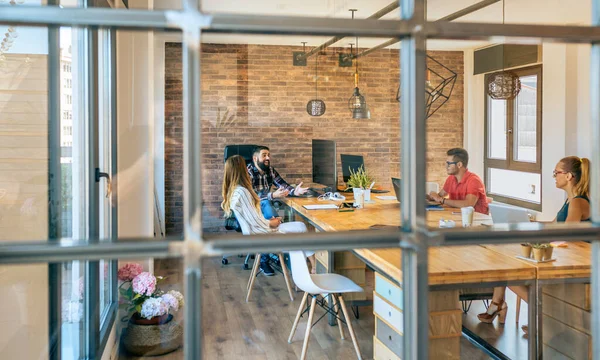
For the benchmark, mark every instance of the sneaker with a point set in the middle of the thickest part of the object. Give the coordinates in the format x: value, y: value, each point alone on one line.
x: 267, y: 269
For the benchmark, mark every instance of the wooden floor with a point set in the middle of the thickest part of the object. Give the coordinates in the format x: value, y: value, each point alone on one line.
x: 234, y: 329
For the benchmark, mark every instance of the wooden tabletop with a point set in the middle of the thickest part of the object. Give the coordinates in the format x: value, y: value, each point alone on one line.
x: 573, y: 261
x: 447, y: 265
x: 381, y: 212
x: 455, y: 265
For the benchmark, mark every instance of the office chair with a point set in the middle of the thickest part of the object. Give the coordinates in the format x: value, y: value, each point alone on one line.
x: 321, y: 284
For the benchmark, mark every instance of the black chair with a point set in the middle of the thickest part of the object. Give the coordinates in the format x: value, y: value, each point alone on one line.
x: 231, y: 223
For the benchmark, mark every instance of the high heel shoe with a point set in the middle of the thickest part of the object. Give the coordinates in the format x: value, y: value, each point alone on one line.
x: 501, y: 310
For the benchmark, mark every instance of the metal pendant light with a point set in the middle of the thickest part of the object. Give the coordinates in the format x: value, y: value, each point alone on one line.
x: 316, y: 107
x: 357, y: 103
x: 504, y: 85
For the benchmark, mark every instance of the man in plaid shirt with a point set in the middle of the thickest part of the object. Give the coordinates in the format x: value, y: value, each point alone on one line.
x: 263, y: 177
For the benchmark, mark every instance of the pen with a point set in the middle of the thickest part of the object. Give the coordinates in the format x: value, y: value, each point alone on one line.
x: 455, y: 213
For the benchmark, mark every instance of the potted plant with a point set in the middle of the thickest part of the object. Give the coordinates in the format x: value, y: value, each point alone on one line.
x: 526, y: 250
x: 150, y: 326
x: 548, y: 252
x: 539, y: 250
x: 360, y: 181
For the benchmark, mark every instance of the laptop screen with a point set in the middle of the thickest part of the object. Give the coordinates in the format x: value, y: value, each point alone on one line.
x: 397, y: 187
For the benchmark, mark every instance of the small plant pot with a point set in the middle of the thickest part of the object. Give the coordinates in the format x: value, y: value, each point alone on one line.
x: 538, y: 254
x: 526, y: 250
x: 548, y: 252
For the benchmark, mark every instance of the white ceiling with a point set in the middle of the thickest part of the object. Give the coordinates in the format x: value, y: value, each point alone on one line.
x: 516, y: 11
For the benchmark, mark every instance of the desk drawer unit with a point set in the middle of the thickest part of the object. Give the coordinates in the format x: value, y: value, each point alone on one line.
x: 388, y: 313
x: 389, y: 291
x: 381, y: 352
x: 388, y: 337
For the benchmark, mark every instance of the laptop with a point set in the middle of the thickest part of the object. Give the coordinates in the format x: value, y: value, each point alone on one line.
x: 506, y: 214
x: 431, y: 205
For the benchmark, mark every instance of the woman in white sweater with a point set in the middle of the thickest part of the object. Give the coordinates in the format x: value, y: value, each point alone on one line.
x: 239, y: 198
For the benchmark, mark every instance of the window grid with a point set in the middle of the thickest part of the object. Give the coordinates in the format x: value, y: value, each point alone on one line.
x: 446, y: 30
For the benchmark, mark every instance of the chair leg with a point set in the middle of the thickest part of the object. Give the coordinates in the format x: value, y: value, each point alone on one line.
x: 350, y: 328
x: 311, y: 313
x: 286, y: 275
x: 254, y: 264
x: 300, y: 310
x: 518, y: 310
x: 337, y: 310
x: 253, y: 276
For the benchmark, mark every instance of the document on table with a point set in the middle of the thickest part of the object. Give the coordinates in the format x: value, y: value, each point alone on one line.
x: 320, y: 207
x: 384, y: 197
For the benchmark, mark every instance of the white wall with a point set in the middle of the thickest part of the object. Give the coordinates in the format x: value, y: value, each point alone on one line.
x: 565, y: 114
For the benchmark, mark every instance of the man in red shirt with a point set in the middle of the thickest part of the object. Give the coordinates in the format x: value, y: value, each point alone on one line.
x: 462, y: 188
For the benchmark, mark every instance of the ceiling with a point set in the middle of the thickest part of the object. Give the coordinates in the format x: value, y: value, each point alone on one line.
x: 516, y: 11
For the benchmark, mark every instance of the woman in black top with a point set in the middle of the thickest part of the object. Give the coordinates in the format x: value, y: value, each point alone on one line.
x: 572, y: 174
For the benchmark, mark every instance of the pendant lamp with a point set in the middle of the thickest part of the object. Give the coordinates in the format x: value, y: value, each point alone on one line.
x: 357, y: 103
x: 504, y: 85
x: 316, y: 107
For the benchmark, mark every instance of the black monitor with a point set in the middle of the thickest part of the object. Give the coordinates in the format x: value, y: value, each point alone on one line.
x: 324, y: 165
x: 353, y: 162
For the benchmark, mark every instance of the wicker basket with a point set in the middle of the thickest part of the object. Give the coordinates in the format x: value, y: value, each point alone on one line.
x: 152, y: 339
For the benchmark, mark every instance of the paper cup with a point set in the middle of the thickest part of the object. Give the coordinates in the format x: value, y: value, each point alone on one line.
x: 467, y: 216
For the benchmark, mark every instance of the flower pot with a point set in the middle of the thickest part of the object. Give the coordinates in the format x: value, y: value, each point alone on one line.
x: 548, y: 252
x: 162, y: 337
x: 526, y: 250
x: 538, y: 254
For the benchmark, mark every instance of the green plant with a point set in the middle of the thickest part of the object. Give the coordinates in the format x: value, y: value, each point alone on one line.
x: 540, y: 245
x: 359, y: 179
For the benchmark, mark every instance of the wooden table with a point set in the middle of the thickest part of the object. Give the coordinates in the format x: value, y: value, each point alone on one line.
x: 563, y: 294
x: 450, y: 269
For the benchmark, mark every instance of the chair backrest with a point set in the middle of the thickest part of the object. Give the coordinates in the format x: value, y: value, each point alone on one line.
x: 300, y: 273
x: 432, y: 187
x: 244, y: 151
x: 506, y: 214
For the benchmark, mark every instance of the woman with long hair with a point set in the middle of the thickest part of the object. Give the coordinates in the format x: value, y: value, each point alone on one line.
x: 571, y: 174
x: 240, y: 199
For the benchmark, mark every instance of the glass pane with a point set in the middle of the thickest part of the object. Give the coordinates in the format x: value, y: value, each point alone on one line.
x: 497, y: 129
x: 525, y: 140
x: 515, y: 184
x: 72, y: 308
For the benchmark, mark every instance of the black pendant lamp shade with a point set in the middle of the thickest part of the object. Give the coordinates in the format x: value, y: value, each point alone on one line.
x: 316, y: 106
x: 357, y: 103
x: 439, y: 83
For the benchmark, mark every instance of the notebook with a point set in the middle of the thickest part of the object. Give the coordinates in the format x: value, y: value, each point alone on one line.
x: 320, y: 207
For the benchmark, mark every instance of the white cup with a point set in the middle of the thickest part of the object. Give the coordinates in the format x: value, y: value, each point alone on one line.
x: 367, y: 195
x: 359, y: 198
x: 467, y: 216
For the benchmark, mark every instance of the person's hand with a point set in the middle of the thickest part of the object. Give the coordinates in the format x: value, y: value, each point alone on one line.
x: 280, y: 193
x: 435, y: 197
x: 274, y: 222
x: 300, y: 190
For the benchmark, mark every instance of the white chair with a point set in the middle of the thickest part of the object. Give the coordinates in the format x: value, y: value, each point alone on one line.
x: 321, y: 284
x: 432, y: 187
x: 255, y: 271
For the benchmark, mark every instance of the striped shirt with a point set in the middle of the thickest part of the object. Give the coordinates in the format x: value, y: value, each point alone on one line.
x: 261, y: 183
x: 250, y: 218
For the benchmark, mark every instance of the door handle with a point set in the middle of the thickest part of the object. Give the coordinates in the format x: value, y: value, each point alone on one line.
x: 108, y: 181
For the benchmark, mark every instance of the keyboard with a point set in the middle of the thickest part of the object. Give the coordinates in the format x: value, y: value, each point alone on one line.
x: 373, y: 191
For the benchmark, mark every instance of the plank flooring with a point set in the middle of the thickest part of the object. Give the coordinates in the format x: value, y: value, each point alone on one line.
x: 234, y: 329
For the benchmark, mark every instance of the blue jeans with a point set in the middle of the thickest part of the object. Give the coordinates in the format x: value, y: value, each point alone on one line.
x: 268, y: 210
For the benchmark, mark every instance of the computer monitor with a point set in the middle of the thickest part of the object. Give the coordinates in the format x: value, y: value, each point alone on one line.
x: 353, y: 162
x: 324, y: 164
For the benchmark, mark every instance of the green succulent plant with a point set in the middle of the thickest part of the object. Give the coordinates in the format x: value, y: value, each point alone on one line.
x: 359, y: 179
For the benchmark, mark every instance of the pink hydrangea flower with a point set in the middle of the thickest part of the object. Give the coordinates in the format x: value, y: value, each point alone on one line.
x: 171, y: 301
x: 129, y: 271
x: 154, y: 307
x: 144, y: 284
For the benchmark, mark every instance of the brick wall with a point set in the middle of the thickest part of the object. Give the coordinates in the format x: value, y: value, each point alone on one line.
x: 267, y: 97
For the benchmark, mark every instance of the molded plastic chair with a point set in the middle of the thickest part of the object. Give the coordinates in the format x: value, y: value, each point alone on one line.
x: 321, y: 284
